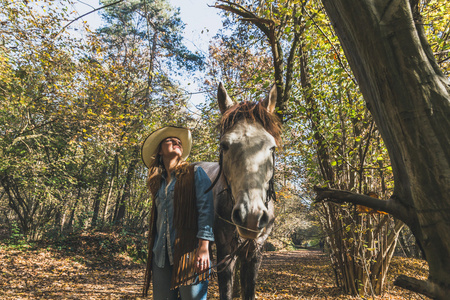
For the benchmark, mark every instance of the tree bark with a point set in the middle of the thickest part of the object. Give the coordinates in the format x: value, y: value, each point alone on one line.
x: 16, y: 202
x: 409, y: 99
x: 98, y: 196
x: 69, y: 226
x: 269, y: 28
x: 114, y: 174
x: 118, y: 219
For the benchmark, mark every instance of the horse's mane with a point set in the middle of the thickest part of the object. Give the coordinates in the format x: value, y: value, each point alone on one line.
x: 253, y: 112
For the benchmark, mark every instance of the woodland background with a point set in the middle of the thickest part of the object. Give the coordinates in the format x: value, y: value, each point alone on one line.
x: 75, y: 105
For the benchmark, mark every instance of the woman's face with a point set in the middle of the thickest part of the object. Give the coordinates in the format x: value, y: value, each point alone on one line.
x: 171, y: 147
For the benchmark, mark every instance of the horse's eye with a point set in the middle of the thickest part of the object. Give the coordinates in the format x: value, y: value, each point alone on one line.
x: 224, y: 146
x: 273, y: 149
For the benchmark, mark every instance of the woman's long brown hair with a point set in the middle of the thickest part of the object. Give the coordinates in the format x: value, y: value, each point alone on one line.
x: 157, y: 168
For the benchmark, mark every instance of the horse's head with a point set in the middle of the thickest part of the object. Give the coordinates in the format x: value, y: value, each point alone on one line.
x: 250, y: 133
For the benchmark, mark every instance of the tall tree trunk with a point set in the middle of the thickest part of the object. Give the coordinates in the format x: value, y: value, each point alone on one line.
x: 57, y: 221
x: 98, y: 196
x: 118, y: 219
x: 114, y: 173
x: 409, y: 99
x: 69, y: 226
x: 16, y: 202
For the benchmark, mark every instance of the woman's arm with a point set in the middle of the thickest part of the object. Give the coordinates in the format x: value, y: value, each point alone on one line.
x: 205, y: 208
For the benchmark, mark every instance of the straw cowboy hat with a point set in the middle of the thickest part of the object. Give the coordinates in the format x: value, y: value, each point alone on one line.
x: 151, y: 143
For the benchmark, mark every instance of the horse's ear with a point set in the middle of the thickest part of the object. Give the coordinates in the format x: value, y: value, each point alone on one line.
x: 224, y: 100
x: 271, y: 101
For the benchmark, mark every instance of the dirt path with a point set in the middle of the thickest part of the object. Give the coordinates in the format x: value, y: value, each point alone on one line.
x: 47, y: 274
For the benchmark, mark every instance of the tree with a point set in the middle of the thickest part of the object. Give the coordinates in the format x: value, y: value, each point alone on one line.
x: 331, y: 138
x: 36, y: 114
x: 73, y: 111
x: 271, y: 20
x: 408, y: 96
x: 140, y: 42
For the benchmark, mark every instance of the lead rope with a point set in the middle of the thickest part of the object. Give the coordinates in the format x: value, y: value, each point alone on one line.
x: 226, y: 261
x: 229, y: 222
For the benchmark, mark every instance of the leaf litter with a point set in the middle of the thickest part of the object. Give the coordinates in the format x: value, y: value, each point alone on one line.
x: 47, y: 273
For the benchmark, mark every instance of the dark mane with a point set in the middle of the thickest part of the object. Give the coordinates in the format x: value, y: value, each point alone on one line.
x: 253, y: 112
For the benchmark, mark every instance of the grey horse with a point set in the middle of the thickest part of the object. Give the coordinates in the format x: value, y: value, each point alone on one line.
x: 243, y: 193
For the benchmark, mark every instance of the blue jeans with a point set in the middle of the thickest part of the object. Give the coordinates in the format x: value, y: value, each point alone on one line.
x: 161, y: 285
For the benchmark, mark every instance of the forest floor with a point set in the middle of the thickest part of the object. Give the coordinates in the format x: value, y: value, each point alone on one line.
x: 52, y: 273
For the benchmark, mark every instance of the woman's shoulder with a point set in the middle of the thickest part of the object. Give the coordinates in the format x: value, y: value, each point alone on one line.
x: 200, y: 173
x: 199, y: 169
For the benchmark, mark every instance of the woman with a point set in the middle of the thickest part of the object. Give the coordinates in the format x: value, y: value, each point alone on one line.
x: 182, y: 217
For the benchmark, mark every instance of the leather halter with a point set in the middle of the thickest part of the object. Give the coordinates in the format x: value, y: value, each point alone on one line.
x: 270, y: 193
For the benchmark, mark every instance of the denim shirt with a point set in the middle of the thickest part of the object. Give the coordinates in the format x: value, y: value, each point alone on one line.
x: 165, y: 232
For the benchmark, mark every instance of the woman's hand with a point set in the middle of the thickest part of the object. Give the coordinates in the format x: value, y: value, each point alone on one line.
x: 202, y: 256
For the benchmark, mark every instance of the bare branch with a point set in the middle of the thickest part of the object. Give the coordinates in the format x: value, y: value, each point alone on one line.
x: 247, y: 16
x: 391, y: 206
x: 268, y: 27
x: 82, y: 16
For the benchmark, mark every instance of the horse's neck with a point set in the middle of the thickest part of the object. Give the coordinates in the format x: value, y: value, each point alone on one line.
x: 211, y: 169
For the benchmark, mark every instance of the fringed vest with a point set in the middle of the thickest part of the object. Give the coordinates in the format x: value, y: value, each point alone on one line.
x: 185, y: 223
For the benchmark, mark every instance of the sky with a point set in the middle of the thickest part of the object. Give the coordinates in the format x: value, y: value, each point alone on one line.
x: 202, y: 23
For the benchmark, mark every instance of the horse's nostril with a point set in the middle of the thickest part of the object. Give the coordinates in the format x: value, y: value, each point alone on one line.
x: 236, y: 217
x: 263, y: 220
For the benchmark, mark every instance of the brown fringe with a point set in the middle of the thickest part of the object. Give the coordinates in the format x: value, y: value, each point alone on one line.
x: 186, y: 272
x: 151, y: 240
x: 184, y: 200
x: 154, y: 184
x: 185, y: 217
x: 185, y: 222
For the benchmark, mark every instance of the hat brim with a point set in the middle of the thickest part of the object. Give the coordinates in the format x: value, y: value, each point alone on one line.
x: 151, y: 143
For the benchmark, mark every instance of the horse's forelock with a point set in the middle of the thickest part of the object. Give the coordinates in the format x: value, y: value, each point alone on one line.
x: 253, y: 112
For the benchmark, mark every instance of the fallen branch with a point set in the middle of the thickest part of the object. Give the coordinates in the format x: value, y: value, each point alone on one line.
x: 391, y: 206
x: 426, y: 288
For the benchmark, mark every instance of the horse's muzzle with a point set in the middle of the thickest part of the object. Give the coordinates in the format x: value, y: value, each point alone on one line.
x: 250, y: 225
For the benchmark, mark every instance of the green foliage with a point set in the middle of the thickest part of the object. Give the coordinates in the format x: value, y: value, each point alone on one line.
x: 330, y: 137
x: 73, y: 112
x: 436, y: 20
x: 15, y: 233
